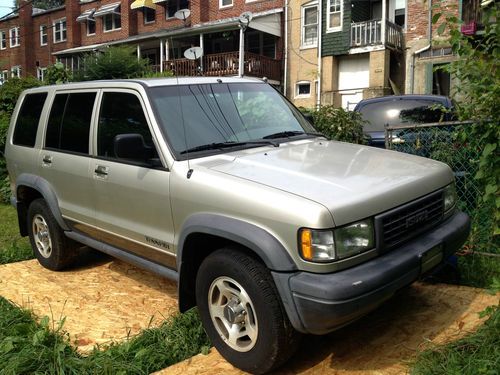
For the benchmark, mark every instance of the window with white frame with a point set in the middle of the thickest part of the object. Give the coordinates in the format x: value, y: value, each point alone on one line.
x: 334, y: 19
x: 3, y: 40
x: 40, y: 73
x: 309, y: 29
x: 303, y: 89
x: 4, y: 76
x: 44, y: 36
x: 112, y: 21
x: 59, y: 30
x: 172, y: 6
x: 15, y: 71
x: 225, y: 3
x: 15, y: 40
x: 90, y: 26
x: 149, y: 15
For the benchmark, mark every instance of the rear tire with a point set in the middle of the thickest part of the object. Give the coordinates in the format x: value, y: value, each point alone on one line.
x: 242, y: 312
x: 50, y: 246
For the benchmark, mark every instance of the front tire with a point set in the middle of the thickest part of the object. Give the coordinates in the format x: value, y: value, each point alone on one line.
x: 50, y: 246
x: 242, y: 312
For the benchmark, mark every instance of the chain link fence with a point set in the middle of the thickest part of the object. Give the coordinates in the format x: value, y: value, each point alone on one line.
x: 445, y: 142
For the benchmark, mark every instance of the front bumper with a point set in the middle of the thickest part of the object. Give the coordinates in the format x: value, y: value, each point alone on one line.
x: 321, y: 303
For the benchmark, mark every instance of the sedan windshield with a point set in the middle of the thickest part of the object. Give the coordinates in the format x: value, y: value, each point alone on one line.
x: 211, y: 117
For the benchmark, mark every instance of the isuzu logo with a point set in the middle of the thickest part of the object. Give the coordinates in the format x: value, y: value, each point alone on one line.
x: 415, y: 219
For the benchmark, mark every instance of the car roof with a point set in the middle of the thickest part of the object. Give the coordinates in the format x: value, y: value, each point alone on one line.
x: 436, y: 98
x: 145, y: 82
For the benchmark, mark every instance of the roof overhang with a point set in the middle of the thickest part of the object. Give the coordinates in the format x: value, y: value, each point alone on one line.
x: 107, y: 9
x: 86, y: 15
x: 142, y: 4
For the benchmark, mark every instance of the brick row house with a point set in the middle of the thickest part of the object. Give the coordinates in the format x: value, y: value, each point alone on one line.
x: 32, y: 39
x: 342, y: 51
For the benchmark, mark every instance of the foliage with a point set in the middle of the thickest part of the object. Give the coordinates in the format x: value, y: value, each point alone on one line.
x: 13, y: 248
x: 478, y: 353
x: 476, y: 69
x: 57, y: 74
x: 11, y: 89
x: 28, y: 347
x: 47, y: 4
x: 114, y: 63
x: 164, y: 74
x: 339, y: 124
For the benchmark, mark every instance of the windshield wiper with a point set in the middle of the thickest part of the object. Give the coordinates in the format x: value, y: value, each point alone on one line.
x: 221, y: 145
x: 290, y: 133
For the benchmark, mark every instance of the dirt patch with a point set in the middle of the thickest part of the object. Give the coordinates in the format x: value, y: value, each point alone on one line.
x: 380, y: 343
x: 104, y: 300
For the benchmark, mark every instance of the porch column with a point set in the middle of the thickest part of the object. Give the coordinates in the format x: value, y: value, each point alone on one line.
x: 201, y: 58
x: 384, y: 18
x: 241, y: 58
x: 161, y: 55
x: 138, y: 52
x: 167, y: 50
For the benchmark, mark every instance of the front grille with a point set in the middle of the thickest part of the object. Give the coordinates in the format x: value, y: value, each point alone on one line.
x: 402, y: 223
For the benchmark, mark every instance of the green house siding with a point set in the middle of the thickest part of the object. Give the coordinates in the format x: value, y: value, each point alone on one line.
x: 336, y: 43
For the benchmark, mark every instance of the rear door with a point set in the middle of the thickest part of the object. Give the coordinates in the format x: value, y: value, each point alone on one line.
x: 132, y: 196
x: 65, y: 157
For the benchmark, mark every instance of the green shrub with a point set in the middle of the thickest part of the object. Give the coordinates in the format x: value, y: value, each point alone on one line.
x: 57, y: 74
x: 11, y: 89
x: 114, y: 63
x: 339, y: 124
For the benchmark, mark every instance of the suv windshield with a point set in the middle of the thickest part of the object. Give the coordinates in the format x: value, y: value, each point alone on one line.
x: 396, y: 112
x: 203, y: 117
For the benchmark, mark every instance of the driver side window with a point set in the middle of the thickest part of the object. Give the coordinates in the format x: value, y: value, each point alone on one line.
x: 122, y: 113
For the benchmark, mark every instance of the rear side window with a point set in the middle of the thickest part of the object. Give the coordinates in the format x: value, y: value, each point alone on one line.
x: 121, y: 113
x: 28, y: 119
x: 68, y: 128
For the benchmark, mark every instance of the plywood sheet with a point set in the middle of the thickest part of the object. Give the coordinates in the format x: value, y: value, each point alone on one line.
x: 380, y: 343
x: 103, y: 300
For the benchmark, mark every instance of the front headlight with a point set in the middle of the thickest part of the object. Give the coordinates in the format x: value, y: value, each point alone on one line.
x: 323, y: 246
x: 449, y: 197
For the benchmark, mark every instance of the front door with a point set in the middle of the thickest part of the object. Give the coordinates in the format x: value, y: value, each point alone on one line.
x: 132, y: 196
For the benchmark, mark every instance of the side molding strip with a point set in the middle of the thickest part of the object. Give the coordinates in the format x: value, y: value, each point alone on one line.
x: 127, y: 257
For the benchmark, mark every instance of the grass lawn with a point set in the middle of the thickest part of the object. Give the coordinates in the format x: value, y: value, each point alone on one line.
x: 13, y: 247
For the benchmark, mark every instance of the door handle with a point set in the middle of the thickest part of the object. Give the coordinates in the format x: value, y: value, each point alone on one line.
x: 101, y: 170
x: 47, y: 159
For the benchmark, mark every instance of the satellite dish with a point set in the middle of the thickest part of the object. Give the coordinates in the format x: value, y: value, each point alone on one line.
x: 193, y: 53
x: 245, y: 18
x: 182, y: 14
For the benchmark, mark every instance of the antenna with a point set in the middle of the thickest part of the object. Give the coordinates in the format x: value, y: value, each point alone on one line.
x: 193, y: 53
x: 183, y: 15
x: 244, y: 19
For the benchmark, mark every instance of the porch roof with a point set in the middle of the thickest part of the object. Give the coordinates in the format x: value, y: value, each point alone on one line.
x: 224, y: 24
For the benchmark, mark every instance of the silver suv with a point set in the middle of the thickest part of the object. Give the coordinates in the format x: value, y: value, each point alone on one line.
x: 221, y: 184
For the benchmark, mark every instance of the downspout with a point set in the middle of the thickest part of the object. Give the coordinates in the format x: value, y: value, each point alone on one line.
x: 320, y: 33
x: 285, y: 70
x: 412, y: 64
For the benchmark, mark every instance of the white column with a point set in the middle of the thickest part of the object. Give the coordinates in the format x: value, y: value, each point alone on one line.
x: 201, y: 58
x: 241, y: 58
x: 167, y: 51
x: 384, y: 18
x: 138, y: 52
x: 161, y: 55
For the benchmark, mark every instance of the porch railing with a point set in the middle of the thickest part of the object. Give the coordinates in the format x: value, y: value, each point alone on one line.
x: 226, y: 64
x: 369, y: 33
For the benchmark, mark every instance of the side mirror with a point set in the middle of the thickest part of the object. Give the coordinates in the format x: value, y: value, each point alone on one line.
x: 131, y: 146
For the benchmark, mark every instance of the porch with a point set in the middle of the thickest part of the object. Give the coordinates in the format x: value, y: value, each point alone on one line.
x: 369, y: 33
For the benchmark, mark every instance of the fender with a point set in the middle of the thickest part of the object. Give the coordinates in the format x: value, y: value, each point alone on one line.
x: 45, y: 189
x: 261, y: 242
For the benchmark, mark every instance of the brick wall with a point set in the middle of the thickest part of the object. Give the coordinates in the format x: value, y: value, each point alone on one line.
x: 418, y: 17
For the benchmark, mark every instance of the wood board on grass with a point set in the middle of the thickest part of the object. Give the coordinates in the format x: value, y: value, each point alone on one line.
x: 103, y: 300
x: 381, y: 343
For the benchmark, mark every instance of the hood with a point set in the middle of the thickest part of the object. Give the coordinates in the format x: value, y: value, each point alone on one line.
x: 352, y: 181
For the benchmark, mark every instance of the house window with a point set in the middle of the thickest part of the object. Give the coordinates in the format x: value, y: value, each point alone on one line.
x: 303, y: 89
x: 400, y: 13
x: 90, y: 26
x: 149, y: 15
x: 15, y: 71
x: 4, y: 76
x: 225, y: 3
x: 59, y: 30
x: 309, y: 20
x: 14, y: 37
x: 175, y: 5
x: 112, y: 21
x: 43, y: 35
x: 40, y: 73
x: 3, y: 40
x: 334, y: 19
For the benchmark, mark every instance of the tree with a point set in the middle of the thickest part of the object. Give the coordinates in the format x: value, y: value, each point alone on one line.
x: 47, y: 4
x: 114, y: 63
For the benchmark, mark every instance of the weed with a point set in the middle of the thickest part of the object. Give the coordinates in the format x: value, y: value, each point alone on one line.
x: 13, y: 247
